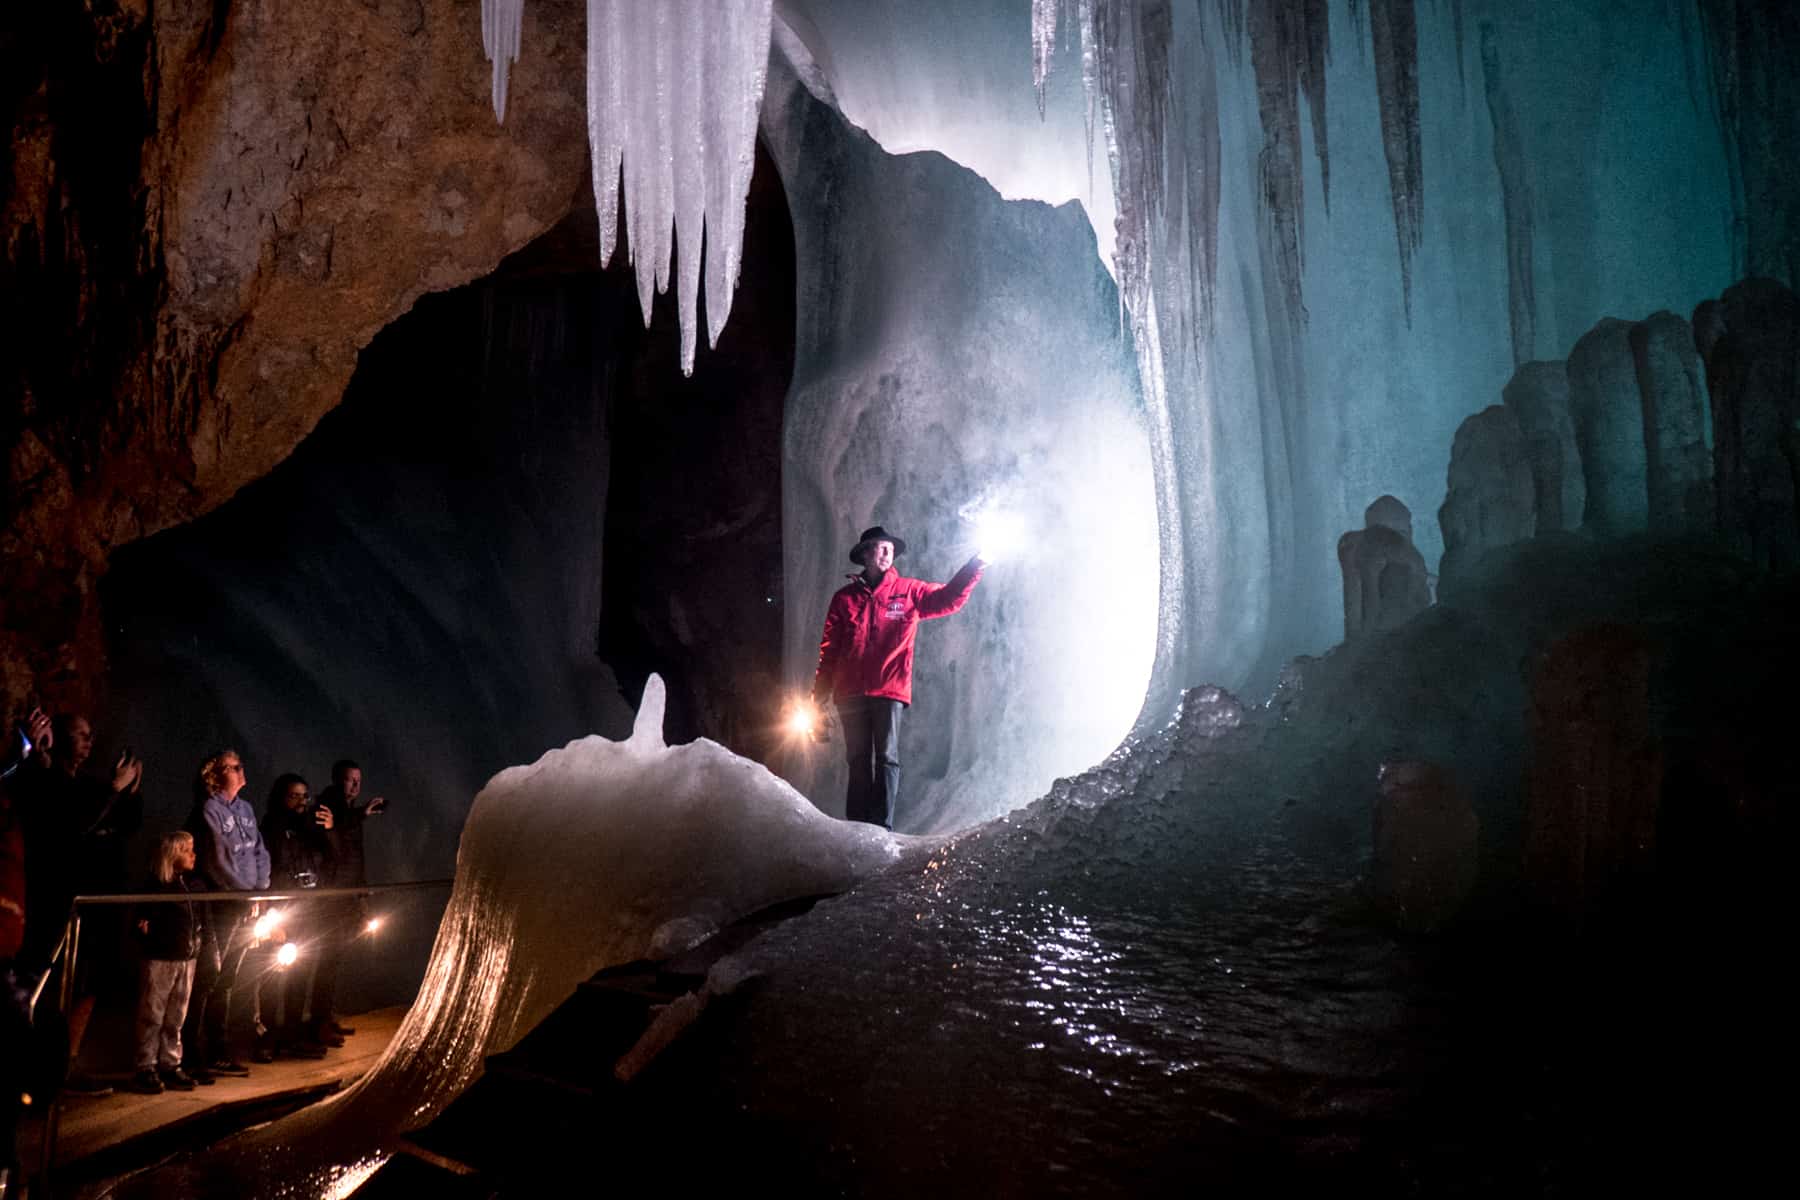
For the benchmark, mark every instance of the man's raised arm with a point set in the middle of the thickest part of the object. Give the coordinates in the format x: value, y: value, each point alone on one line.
x: 942, y: 599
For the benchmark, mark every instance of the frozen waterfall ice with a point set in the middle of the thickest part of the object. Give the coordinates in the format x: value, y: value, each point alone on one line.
x: 673, y: 92
x: 1295, y: 359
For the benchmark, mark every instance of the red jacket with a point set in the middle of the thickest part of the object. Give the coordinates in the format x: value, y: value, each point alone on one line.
x: 867, y: 649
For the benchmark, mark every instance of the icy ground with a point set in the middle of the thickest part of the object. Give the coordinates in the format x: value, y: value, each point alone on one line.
x: 1160, y: 975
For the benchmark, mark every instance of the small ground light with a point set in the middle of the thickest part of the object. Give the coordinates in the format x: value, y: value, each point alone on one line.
x: 373, y: 924
x: 800, y: 721
x: 266, y: 924
x: 287, y: 954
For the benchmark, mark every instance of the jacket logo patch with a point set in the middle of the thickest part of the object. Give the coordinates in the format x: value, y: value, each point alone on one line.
x: 896, y: 609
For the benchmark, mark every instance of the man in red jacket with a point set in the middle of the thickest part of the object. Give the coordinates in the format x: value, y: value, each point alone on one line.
x: 865, y: 663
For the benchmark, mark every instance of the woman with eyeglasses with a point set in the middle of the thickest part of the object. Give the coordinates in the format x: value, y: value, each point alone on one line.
x: 233, y: 858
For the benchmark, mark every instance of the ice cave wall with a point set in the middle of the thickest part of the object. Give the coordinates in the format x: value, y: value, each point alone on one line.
x: 1501, y: 176
x: 955, y: 348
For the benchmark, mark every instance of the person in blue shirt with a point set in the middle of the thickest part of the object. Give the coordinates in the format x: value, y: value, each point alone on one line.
x: 233, y: 858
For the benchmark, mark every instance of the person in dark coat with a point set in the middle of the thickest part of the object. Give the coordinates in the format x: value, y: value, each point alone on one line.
x: 171, y: 934
x: 303, y: 847
x: 76, y: 825
x: 342, y: 918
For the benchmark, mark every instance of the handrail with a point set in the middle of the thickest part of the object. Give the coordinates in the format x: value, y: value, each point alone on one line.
x: 37, y: 990
x: 367, y: 889
x: 71, y: 940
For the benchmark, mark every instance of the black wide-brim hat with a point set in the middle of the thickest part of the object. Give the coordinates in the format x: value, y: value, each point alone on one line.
x: 875, y: 533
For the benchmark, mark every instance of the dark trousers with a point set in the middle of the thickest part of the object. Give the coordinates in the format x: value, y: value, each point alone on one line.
x: 872, y: 747
x: 207, y: 1027
x: 339, y: 921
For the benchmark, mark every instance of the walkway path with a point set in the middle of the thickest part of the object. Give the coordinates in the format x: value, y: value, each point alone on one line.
x: 127, y: 1128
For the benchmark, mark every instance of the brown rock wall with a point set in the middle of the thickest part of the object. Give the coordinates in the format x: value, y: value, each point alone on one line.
x: 208, y: 211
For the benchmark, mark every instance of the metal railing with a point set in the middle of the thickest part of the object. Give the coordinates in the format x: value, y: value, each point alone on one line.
x: 69, y: 946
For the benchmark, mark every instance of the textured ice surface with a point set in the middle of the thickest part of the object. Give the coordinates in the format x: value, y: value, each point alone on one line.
x: 673, y: 90
x: 955, y: 76
x: 958, y: 352
x: 1297, y: 361
x: 598, y: 853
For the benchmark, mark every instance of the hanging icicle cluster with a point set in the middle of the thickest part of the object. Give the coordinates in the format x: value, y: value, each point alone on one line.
x: 500, y: 22
x: 673, y: 93
x: 1162, y: 177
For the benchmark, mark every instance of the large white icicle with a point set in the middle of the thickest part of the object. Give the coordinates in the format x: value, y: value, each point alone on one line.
x: 500, y: 22
x: 674, y: 89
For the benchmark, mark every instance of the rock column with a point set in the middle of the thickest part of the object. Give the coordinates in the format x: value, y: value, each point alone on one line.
x: 1538, y: 395
x: 1607, y: 410
x: 1673, y: 387
x: 1385, y: 583
x: 1492, y: 499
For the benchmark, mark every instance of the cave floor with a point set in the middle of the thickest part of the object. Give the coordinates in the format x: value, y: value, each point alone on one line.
x: 107, y: 1135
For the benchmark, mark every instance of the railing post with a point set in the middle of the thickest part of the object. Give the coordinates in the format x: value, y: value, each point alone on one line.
x: 71, y: 947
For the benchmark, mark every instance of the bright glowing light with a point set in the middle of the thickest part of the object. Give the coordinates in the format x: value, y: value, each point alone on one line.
x: 374, y: 923
x: 999, y: 530
x: 800, y: 720
x: 999, y: 535
x: 267, y: 923
x: 287, y: 954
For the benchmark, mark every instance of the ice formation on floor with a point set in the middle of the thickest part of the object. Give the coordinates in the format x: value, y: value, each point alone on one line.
x: 603, y: 852
x: 673, y: 92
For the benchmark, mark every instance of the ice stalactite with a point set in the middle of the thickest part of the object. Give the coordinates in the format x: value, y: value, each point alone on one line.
x: 1515, y: 202
x: 673, y: 93
x: 1394, y: 27
x: 1456, y: 19
x: 500, y: 23
x: 1164, y: 147
x: 1289, y: 42
x: 1125, y: 55
x: 1751, y: 46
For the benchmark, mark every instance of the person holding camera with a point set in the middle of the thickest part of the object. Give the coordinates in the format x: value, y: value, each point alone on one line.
x: 303, y: 850
x: 340, y: 919
x: 77, y: 827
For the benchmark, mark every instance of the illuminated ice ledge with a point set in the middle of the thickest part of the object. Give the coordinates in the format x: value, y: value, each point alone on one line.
x: 604, y: 852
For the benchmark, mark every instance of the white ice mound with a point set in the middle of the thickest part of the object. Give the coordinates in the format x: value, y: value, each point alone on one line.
x: 603, y: 852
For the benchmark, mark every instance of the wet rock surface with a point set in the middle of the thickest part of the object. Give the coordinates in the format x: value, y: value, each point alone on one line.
x: 192, y: 258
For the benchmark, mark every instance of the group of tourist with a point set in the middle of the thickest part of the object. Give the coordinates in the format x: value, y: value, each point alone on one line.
x: 214, y: 984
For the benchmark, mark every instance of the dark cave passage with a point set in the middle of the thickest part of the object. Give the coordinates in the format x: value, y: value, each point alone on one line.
x: 519, y: 510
